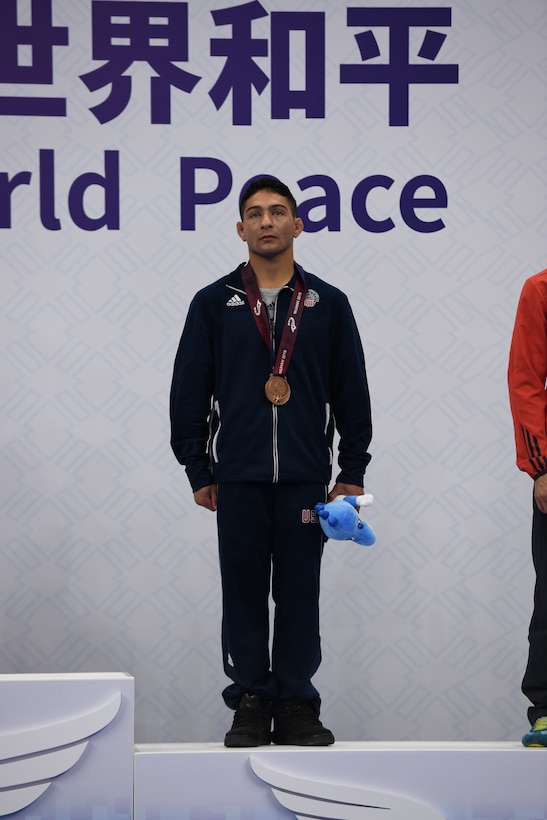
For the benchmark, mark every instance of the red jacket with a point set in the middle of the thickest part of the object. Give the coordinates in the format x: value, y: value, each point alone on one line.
x: 527, y: 375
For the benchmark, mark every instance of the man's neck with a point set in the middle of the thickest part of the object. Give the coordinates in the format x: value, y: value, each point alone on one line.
x: 272, y: 273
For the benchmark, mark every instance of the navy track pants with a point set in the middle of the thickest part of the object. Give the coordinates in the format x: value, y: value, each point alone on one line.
x: 270, y: 539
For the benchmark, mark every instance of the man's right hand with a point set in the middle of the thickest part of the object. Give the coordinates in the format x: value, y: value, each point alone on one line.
x: 207, y: 497
x: 540, y: 493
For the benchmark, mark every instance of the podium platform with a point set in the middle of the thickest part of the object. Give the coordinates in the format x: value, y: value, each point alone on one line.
x: 67, y: 752
x: 348, y: 781
x: 66, y: 746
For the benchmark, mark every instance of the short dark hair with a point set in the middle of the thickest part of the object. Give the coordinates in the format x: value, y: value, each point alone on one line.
x: 267, y: 184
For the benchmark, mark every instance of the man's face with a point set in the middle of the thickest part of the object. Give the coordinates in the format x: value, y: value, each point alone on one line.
x: 268, y: 226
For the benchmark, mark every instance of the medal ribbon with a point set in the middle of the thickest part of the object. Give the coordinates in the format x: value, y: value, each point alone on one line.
x: 280, y: 364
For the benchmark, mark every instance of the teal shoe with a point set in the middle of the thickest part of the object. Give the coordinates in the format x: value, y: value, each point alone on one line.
x: 537, y: 736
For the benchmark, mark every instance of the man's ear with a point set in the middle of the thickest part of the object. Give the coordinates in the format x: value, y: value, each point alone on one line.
x: 298, y: 226
x: 241, y: 231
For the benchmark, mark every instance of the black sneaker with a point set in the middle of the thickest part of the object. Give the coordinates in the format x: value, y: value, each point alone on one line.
x: 252, y: 724
x: 296, y: 724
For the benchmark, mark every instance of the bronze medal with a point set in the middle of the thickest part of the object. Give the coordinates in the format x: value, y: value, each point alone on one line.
x: 277, y: 390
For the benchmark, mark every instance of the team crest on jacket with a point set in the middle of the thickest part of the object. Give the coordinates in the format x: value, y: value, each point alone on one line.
x: 312, y: 298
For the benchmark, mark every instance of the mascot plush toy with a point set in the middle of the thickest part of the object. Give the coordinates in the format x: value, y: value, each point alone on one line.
x: 340, y: 520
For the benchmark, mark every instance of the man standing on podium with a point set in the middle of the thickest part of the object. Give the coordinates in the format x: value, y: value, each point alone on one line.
x: 527, y: 376
x: 269, y: 365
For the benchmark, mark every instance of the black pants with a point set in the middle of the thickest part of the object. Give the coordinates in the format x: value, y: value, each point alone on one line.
x: 534, y: 684
x: 270, y: 537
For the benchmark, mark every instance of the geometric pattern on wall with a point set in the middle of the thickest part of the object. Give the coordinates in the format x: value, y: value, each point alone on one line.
x: 106, y: 563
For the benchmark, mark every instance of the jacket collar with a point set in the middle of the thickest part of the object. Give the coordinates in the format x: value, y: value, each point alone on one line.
x: 235, y: 280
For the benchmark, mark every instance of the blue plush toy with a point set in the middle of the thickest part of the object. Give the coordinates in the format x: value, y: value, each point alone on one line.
x: 340, y: 520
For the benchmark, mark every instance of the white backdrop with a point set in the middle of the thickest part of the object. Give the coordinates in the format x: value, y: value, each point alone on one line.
x: 105, y: 563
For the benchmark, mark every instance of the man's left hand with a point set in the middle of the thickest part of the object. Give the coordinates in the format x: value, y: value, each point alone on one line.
x: 345, y: 489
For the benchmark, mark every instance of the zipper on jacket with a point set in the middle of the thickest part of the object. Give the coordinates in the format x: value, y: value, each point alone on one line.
x: 275, y: 450
x: 275, y: 443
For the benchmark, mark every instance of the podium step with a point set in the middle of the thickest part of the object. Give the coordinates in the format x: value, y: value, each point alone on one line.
x: 347, y: 781
x: 66, y: 746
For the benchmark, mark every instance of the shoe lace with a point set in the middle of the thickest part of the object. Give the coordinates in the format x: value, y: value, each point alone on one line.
x: 540, y: 725
x: 303, y: 714
x: 247, y: 717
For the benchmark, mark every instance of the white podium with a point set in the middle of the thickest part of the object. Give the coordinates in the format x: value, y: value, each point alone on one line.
x: 66, y: 746
x: 348, y: 781
x: 67, y: 752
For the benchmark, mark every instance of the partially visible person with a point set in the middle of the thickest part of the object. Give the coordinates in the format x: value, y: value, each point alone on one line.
x: 527, y: 377
x: 269, y: 364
